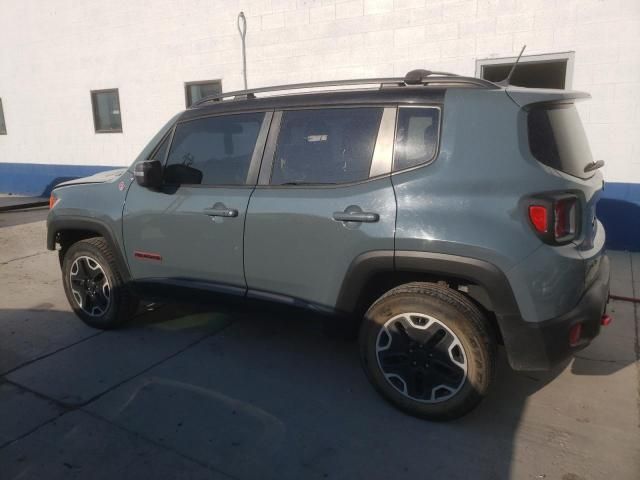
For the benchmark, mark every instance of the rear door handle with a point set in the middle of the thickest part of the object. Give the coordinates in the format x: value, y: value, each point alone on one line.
x: 366, y: 217
x: 221, y: 212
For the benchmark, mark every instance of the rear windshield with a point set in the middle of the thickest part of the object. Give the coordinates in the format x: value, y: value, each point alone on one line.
x: 557, y: 139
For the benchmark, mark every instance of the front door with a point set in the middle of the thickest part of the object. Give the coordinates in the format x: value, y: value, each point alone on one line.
x: 324, y: 197
x: 190, y: 231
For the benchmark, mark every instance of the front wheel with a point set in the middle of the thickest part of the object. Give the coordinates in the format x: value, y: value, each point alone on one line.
x: 94, y: 286
x: 428, y: 350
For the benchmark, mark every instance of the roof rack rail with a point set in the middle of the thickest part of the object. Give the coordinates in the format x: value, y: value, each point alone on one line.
x: 423, y: 77
x: 414, y: 77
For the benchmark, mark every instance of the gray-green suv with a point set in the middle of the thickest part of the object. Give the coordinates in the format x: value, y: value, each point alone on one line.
x: 450, y: 213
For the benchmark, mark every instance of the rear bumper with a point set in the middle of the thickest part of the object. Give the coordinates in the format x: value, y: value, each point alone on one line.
x: 539, y: 346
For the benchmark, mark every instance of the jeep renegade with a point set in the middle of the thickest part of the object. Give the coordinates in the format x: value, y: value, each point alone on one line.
x: 449, y: 213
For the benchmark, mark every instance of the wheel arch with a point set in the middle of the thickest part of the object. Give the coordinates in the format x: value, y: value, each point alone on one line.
x: 373, y: 273
x: 66, y: 231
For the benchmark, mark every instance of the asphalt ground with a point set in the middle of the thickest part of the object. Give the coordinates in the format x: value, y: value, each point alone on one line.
x: 188, y: 392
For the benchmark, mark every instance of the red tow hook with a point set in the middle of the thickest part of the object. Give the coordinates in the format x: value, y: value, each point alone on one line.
x: 606, y: 320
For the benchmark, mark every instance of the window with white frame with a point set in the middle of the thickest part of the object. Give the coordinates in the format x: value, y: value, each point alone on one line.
x: 194, y: 91
x: 554, y: 70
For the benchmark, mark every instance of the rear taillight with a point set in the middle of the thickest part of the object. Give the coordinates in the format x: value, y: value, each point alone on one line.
x: 564, y: 224
x: 555, y: 218
x: 539, y: 218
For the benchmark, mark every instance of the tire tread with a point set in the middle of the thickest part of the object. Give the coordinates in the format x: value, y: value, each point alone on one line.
x: 482, y: 338
x: 126, y: 302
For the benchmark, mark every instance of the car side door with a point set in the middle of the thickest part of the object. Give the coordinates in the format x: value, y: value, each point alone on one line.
x: 324, y: 199
x: 189, y: 232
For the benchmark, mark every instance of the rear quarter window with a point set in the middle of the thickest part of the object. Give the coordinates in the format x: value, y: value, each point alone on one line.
x: 417, y: 134
x: 557, y: 139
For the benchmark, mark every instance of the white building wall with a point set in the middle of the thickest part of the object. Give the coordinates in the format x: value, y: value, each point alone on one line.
x: 53, y: 53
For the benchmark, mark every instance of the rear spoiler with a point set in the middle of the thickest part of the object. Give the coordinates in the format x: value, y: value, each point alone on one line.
x: 527, y: 96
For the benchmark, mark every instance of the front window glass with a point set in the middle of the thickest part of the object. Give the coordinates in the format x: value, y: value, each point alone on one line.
x: 213, y: 150
x: 161, y: 152
x: 325, y: 146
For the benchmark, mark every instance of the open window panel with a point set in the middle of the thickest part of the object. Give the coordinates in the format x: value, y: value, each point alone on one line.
x: 535, y: 71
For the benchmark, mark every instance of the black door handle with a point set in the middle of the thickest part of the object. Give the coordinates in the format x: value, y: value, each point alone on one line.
x: 221, y: 212
x: 366, y: 217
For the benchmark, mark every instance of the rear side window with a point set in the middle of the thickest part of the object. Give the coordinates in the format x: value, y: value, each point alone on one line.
x: 417, y: 134
x: 214, y: 150
x: 325, y: 146
x: 557, y: 139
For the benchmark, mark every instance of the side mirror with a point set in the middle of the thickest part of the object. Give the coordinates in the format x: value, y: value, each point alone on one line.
x: 149, y: 174
x: 178, y: 174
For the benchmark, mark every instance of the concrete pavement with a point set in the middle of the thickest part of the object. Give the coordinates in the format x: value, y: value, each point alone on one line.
x: 191, y: 393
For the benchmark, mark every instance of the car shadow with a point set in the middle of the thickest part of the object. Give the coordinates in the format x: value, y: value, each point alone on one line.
x: 282, y: 400
x: 270, y: 396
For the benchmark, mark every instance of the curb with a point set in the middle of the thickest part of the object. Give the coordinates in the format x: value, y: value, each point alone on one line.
x: 34, y: 202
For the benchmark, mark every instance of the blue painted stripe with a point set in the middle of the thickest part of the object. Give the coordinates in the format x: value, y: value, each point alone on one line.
x: 39, y: 179
x: 618, y: 209
x: 619, y: 212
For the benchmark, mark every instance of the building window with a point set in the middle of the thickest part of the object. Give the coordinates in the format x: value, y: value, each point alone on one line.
x: 538, y: 71
x: 106, y: 111
x: 3, y: 126
x: 194, y: 91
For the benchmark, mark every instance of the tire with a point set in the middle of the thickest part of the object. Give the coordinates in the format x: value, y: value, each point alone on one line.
x: 94, y: 286
x: 428, y: 350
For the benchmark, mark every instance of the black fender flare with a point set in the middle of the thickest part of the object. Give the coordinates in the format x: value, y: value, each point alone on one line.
x: 64, y: 223
x: 368, y: 265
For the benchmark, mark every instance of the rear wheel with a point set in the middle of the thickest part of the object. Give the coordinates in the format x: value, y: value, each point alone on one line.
x: 94, y: 286
x: 428, y: 350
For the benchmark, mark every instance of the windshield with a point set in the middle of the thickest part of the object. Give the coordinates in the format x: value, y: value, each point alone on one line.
x: 557, y: 139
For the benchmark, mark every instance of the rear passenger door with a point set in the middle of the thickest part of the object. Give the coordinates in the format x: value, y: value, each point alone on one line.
x: 324, y: 198
x: 190, y: 231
